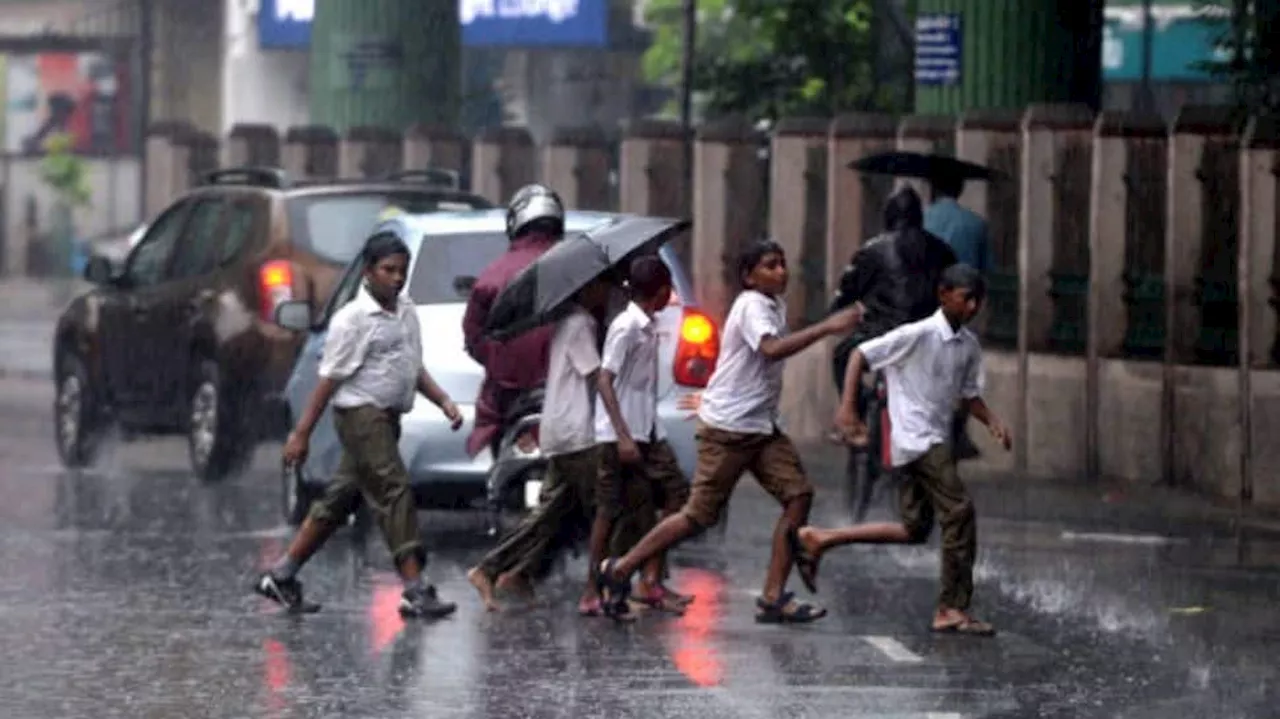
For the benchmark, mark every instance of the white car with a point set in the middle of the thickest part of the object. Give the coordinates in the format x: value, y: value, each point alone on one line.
x: 449, y: 249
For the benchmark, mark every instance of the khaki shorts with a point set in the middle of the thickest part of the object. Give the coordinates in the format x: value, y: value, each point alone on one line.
x: 655, y: 483
x: 722, y: 458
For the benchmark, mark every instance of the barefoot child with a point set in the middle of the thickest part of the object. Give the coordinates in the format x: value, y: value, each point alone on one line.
x: 567, y: 436
x: 371, y: 369
x: 638, y: 470
x: 738, y: 432
x: 928, y: 365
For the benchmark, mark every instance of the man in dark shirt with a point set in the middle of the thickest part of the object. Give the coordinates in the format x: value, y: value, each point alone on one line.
x: 535, y: 222
x: 895, y: 277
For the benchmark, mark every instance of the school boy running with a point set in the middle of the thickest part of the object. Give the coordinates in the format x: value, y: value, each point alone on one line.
x: 638, y: 470
x: 928, y: 365
x: 737, y: 432
x: 371, y: 369
x: 567, y: 437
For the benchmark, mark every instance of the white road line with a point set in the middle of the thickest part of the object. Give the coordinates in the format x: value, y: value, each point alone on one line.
x: 894, y: 649
x: 1108, y: 537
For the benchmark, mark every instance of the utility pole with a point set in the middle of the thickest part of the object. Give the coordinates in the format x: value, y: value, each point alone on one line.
x: 686, y: 89
x: 1146, y: 99
x: 146, y: 52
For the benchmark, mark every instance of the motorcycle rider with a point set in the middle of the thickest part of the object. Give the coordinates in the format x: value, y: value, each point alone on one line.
x: 895, y: 276
x: 535, y: 222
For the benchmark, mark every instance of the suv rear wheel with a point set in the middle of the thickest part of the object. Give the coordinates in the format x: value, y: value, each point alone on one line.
x: 78, y: 419
x: 219, y: 440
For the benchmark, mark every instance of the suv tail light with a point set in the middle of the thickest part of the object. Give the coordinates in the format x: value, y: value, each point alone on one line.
x: 697, y: 349
x: 275, y: 285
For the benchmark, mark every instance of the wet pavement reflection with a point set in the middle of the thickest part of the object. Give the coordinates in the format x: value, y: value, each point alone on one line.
x: 124, y: 592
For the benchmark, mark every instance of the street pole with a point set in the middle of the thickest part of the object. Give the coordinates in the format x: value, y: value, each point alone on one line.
x: 1146, y: 99
x: 146, y: 52
x: 686, y: 91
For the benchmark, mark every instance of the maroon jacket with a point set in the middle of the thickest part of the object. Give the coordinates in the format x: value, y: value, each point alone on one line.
x: 509, y: 367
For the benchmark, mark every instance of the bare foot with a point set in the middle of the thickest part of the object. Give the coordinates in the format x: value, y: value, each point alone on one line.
x: 515, y: 583
x: 485, y: 589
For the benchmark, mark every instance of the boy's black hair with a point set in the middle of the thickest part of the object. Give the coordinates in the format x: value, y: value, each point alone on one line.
x: 753, y: 253
x: 381, y: 246
x: 965, y: 277
x: 647, y: 276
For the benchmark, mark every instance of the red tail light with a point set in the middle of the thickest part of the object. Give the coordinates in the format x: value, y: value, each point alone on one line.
x: 275, y: 285
x: 697, y: 349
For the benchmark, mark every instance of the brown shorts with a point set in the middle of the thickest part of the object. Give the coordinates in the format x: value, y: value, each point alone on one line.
x: 658, y: 482
x: 722, y: 458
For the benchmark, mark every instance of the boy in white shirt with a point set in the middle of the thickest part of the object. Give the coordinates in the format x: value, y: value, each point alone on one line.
x: 371, y: 370
x: 638, y: 470
x: 929, y: 365
x: 567, y: 438
x: 738, y: 432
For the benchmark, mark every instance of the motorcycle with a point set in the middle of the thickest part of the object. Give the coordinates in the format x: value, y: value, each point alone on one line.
x: 519, y: 467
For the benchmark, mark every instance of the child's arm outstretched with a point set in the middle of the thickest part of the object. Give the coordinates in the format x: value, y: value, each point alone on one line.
x: 774, y: 347
x: 886, y: 350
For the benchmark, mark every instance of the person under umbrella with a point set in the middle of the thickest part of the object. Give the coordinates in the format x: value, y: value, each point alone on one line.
x: 895, y: 277
x: 568, y: 286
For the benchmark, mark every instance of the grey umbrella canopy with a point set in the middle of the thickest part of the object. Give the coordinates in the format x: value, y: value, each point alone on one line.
x: 540, y: 294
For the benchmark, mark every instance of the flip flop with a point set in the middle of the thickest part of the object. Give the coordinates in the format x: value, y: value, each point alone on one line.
x: 966, y: 627
x: 592, y: 608
x: 806, y: 563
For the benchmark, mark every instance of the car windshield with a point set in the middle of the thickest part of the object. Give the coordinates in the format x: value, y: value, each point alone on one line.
x: 447, y: 265
x: 335, y: 226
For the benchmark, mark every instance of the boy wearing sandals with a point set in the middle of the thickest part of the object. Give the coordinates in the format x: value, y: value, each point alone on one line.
x: 929, y: 365
x: 638, y: 470
x: 738, y: 432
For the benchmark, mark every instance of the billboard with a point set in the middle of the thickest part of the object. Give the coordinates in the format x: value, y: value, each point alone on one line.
x: 534, y: 23
x: 83, y: 94
x: 1181, y: 42
x: 286, y: 24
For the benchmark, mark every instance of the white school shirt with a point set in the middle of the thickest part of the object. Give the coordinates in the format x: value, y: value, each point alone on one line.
x: 928, y: 366
x: 631, y: 354
x: 374, y: 353
x: 567, y: 424
x: 742, y: 394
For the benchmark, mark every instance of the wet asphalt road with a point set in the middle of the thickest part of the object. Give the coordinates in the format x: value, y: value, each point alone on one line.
x: 124, y: 592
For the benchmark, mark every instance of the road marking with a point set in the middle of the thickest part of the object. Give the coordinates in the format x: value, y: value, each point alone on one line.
x: 894, y: 649
x: 1108, y: 537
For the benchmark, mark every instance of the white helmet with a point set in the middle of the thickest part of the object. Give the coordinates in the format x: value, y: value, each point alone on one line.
x: 532, y: 203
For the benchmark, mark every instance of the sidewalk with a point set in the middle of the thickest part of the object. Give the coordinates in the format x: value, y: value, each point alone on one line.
x: 1101, y: 506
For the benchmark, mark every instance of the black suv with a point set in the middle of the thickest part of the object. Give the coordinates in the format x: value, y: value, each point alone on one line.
x: 181, y: 337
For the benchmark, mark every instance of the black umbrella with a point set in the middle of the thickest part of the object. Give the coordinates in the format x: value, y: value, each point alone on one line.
x: 540, y: 293
x: 927, y: 167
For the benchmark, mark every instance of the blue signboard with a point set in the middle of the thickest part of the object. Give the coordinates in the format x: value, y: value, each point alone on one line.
x: 939, y: 50
x: 534, y: 23
x: 285, y: 24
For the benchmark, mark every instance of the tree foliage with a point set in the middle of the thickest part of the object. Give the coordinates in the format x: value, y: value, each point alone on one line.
x: 769, y: 58
x: 65, y: 172
x: 1250, y: 32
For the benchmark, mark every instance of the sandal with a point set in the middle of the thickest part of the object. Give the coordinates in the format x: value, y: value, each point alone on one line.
x: 662, y: 599
x: 806, y: 563
x: 613, y: 592
x: 590, y: 608
x: 788, y: 611
x: 967, y: 627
